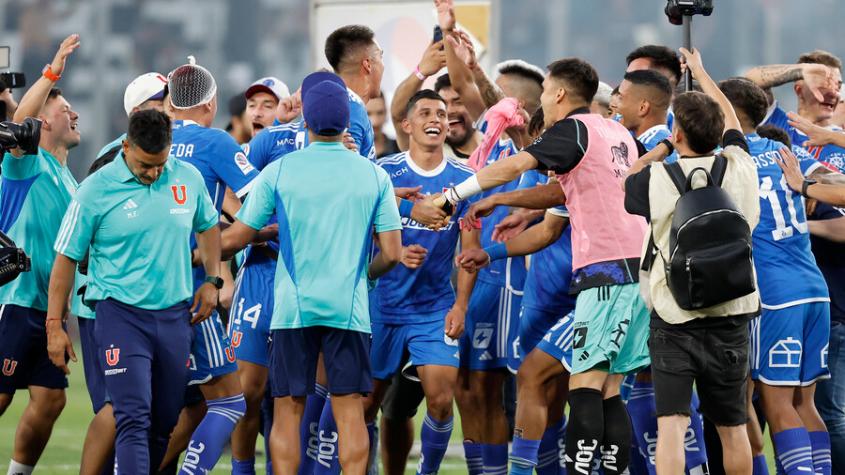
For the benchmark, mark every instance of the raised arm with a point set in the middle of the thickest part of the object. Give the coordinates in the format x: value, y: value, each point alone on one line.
x: 459, y: 58
x: 491, y: 176
x: 693, y: 62
x: 815, y: 76
x: 433, y: 60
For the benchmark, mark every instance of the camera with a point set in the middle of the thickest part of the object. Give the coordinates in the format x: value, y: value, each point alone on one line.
x: 13, y: 260
x: 25, y: 135
x: 8, y: 80
x: 676, y: 10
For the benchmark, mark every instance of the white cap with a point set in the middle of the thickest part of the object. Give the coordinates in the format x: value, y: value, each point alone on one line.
x: 270, y: 85
x: 142, y: 89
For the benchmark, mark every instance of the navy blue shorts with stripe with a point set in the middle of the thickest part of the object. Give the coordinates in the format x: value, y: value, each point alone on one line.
x: 23, y: 351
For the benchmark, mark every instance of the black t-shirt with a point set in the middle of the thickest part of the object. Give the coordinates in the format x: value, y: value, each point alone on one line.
x: 636, y: 185
x: 563, y: 145
x: 830, y: 257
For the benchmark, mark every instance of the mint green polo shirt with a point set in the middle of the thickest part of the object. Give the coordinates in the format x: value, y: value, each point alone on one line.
x: 35, y: 191
x: 138, y: 235
x: 328, y: 201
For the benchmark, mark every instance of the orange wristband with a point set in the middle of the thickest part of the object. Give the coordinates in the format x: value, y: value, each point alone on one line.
x: 48, y: 73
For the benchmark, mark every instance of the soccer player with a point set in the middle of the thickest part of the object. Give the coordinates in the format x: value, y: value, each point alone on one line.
x: 321, y: 302
x: 545, y: 339
x: 657, y: 58
x: 262, y: 99
x: 817, y: 78
x: 794, y: 298
x: 591, y: 155
x: 36, y: 189
x: 137, y: 216
x: 644, y: 99
x: 415, y: 310
x: 222, y: 163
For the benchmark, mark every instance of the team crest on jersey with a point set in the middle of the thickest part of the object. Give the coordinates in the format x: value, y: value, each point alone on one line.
x: 236, y: 338
x: 230, y: 354
x: 112, y: 356
x: 9, y: 366
x: 180, y: 194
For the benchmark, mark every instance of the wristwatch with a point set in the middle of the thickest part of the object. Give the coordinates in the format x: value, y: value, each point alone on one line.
x: 805, y: 185
x: 214, y: 280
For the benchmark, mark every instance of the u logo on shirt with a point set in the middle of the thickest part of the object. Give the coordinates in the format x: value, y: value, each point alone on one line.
x: 112, y: 356
x: 180, y: 194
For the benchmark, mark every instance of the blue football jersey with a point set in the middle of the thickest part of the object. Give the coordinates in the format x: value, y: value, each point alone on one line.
x: 831, y: 155
x: 360, y: 127
x: 550, y: 272
x: 274, y: 142
x: 508, y: 272
x: 217, y: 156
x: 787, y: 273
x: 653, y: 136
x: 402, y: 294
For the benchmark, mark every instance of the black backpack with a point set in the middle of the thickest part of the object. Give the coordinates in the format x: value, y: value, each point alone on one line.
x: 709, y: 260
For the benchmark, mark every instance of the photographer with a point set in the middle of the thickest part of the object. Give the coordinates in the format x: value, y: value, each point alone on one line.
x: 694, y: 341
x: 37, y: 188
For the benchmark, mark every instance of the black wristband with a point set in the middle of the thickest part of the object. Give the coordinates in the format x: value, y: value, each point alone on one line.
x: 805, y: 185
x: 668, y: 144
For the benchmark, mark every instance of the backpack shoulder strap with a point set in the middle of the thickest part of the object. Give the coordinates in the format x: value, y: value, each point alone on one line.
x: 717, y: 171
x: 676, y: 173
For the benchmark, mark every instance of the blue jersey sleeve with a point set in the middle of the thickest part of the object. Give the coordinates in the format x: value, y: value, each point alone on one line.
x: 778, y: 118
x: 205, y: 216
x: 806, y: 161
x: 362, y: 130
x: 231, y: 165
x: 258, y: 149
x: 261, y: 202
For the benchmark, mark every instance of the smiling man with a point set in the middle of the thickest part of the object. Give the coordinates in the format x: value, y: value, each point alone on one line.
x: 262, y: 98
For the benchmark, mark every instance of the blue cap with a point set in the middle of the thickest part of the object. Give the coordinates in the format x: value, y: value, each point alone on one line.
x: 325, y: 103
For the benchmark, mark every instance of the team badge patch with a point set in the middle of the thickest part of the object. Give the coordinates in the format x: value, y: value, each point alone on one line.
x: 180, y: 194
x: 112, y: 356
x: 9, y: 366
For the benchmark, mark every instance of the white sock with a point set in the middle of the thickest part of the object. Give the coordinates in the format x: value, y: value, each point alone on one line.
x: 16, y: 468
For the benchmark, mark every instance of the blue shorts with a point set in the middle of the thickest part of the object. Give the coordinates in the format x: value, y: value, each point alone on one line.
x: 252, y: 309
x: 492, y: 322
x: 212, y: 354
x: 293, y: 361
x: 426, y: 344
x: 557, y: 342
x: 789, y: 345
x: 534, y: 323
x: 95, y: 379
x: 23, y: 351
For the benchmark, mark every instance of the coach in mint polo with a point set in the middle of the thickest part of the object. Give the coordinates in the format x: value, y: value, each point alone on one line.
x: 137, y: 215
x: 328, y: 201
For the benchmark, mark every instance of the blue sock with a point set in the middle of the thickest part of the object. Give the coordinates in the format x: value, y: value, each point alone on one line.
x: 243, y: 467
x: 372, y: 463
x: 794, y: 451
x: 434, y: 436
x: 327, y: 461
x: 472, y: 453
x: 523, y: 456
x: 822, y: 461
x: 641, y: 408
x: 309, y: 443
x: 213, y: 433
x: 548, y: 454
x: 696, y: 453
x: 495, y: 458
x: 759, y: 465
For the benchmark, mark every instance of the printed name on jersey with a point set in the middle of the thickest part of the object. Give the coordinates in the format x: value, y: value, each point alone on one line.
x: 242, y: 163
x: 181, y: 150
x: 409, y: 223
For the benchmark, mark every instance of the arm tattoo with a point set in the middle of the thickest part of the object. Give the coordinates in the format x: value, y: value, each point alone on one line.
x: 490, y: 92
x: 771, y: 76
